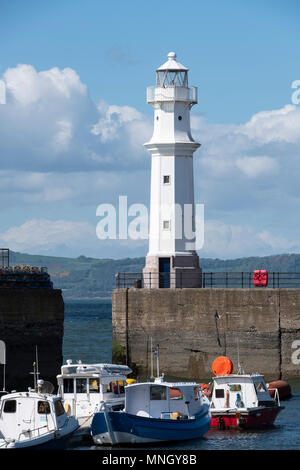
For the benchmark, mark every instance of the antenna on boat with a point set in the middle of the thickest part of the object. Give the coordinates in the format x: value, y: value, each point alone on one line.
x: 156, y: 354
x: 3, y: 360
x: 151, y: 357
x: 240, y: 370
x: 35, y: 370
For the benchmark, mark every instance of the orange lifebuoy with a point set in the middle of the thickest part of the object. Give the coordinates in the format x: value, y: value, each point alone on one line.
x: 222, y: 365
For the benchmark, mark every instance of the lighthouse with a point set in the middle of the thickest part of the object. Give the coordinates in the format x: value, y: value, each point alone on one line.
x: 172, y: 260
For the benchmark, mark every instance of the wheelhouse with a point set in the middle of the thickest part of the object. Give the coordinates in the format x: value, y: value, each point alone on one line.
x: 163, y: 400
x: 240, y: 391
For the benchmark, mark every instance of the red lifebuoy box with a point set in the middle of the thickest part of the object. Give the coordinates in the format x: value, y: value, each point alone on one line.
x: 260, y: 278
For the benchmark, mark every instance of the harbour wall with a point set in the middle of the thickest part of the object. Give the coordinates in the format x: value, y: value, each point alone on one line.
x: 194, y: 326
x: 29, y: 318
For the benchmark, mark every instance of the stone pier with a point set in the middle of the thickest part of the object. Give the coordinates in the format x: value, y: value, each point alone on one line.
x: 29, y: 318
x: 194, y: 326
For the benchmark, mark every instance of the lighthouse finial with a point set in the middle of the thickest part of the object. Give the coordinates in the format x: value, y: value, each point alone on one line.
x: 172, y: 55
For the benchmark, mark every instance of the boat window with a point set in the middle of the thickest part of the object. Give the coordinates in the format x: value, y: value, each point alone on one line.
x: 196, y: 393
x: 108, y: 388
x: 115, y: 388
x: 235, y: 387
x: 176, y: 394
x: 10, y: 406
x: 43, y: 407
x: 121, y: 386
x: 59, y: 409
x: 94, y: 385
x: 81, y: 385
x: 260, y: 387
x: 68, y: 386
x: 158, y: 392
x: 219, y: 392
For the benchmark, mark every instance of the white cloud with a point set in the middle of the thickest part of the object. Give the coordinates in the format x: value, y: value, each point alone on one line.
x: 51, y: 124
x: 42, y: 235
x: 257, y: 166
x: 231, y: 241
x: 26, y: 86
x: 274, y: 126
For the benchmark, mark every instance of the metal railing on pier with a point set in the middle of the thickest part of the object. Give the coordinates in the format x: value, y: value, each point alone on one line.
x: 228, y: 280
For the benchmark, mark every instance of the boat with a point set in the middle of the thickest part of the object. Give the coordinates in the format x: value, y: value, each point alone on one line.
x: 240, y: 400
x: 154, y: 412
x: 34, y: 419
x: 83, y: 386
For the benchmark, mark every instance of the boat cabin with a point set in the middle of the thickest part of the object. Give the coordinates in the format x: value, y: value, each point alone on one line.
x: 83, y: 386
x: 240, y: 391
x: 163, y: 400
x: 29, y: 415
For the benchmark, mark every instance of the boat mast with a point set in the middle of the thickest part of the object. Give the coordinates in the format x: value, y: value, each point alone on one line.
x: 35, y: 370
x: 151, y: 357
x: 240, y: 370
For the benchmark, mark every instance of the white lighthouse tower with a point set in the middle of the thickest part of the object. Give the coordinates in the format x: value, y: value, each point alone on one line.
x: 172, y: 260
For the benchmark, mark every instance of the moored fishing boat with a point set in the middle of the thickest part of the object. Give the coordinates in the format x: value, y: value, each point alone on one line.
x: 240, y: 400
x: 154, y: 412
x: 83, y: 386
x: 34, y: 419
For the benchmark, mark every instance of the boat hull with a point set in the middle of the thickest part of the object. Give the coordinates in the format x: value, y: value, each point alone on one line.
x: 126, y: 428
x: 42, y: 443
x: 245, y: 420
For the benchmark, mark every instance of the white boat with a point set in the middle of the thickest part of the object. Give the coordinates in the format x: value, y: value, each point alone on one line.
x: 154, y: 412
x: 34, y: 419
x: 240, y: 400
x: 83, y: 386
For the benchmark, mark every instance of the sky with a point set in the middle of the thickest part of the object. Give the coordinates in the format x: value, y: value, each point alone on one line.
x: 75, y: 119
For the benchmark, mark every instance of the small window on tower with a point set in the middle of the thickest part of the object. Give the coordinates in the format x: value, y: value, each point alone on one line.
x: 166, y: 179
x: 179, y: 117
x: 166, y: 225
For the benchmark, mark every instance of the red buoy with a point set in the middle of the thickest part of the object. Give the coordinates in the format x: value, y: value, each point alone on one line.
x: 284, y: 389
x: 222, y: 365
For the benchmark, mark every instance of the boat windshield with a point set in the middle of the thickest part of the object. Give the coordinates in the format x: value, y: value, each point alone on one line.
x: 158, y: 392
x: 59, y: 409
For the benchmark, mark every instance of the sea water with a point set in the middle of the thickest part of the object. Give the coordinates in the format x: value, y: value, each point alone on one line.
x: 88, y: 337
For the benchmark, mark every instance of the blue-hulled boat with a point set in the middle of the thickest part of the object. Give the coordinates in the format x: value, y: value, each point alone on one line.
x: 154, y: 412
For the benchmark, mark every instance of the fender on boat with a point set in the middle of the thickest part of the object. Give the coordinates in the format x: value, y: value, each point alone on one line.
x: 284, y: 389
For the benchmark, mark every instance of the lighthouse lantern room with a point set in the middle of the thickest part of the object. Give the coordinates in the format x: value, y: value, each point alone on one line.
x: 172, y: 260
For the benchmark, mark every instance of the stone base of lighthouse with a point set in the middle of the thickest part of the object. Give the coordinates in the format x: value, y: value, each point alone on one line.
x: 174, y: 271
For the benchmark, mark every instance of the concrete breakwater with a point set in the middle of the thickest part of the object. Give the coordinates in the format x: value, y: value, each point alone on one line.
x: 193, y: 326
x: 29, y: 318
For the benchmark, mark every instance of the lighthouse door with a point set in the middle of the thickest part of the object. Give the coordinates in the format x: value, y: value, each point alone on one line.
x: 164, y: 272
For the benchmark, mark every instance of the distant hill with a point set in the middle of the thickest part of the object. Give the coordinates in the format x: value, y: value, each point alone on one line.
x: 84, y: 277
